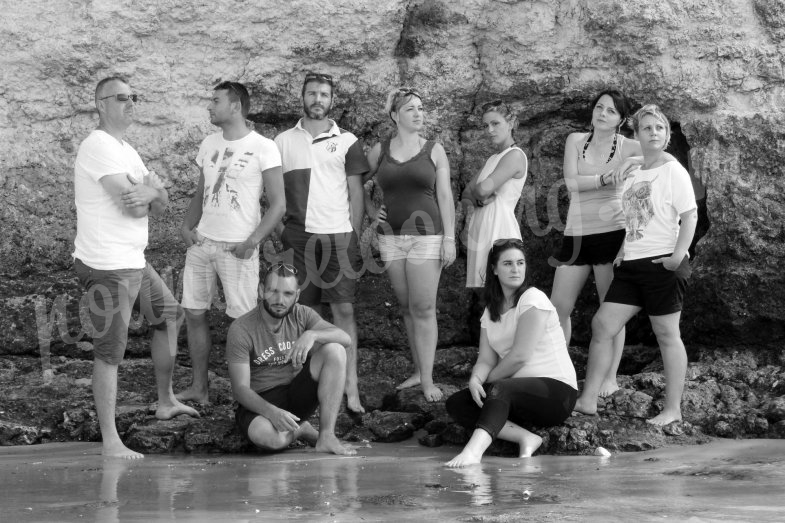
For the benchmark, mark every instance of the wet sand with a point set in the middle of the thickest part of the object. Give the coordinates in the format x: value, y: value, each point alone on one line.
x: 725, y: 480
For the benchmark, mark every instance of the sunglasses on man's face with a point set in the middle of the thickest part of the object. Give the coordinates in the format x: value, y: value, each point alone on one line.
x: 122, y: 97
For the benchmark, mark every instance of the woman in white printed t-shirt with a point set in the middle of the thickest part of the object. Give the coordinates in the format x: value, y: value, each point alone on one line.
x: 652, y: 266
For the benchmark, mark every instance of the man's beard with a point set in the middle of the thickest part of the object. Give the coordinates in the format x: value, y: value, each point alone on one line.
x: 274, y: 313
x: 312, y: 116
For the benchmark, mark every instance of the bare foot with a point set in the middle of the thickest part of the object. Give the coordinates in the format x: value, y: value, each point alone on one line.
x: 431, y: 392
x: 118, y: 450
x: 330, y: 444
x: 353, y: 404
x: 528, y: 445
x: 170, y: 411
x: 464, y: 459
x: 583, y: 406
x: 191, y: 394
x: 608, y: 387
x: 307, y: 433
x: 412, y: 381
x: 665, y: 417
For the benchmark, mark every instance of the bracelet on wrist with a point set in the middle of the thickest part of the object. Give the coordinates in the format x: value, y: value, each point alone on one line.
x: 450, y: 238
x: 603, y: 183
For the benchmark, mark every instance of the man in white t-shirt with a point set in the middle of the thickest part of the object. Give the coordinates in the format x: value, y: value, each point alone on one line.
x: 323, y: 169
x: 114, y: 194
x: 224, y: 225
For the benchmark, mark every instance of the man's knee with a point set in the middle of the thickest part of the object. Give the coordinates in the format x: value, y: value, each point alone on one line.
x: 195, y: 316
x: 333, y: 353
x: 342, y: 311
x: 262, y: 434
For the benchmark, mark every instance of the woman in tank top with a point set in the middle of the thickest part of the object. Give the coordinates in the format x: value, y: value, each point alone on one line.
x: 416, y: 226
x: 489, y: 199
x: 595, y: 223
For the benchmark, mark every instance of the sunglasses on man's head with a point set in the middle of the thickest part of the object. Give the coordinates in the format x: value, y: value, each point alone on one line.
x: 122, y: 97
x: 277, y: 267
x: 319, y: 77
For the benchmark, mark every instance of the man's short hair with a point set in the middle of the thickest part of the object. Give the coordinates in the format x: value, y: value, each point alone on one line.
x: 237, y: 93
x: 102, y: 83
x: 322, y: 78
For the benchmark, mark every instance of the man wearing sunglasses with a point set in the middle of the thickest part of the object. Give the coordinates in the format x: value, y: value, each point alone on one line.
x: 114, y: 194
x: 323, y: 168
x: 284, y: 362
x: 224, y: 223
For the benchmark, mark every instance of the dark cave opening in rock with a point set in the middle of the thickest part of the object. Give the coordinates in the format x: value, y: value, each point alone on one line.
x: 680, y: 148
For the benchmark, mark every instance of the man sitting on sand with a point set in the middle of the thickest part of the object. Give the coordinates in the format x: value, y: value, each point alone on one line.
x: 284, y: 361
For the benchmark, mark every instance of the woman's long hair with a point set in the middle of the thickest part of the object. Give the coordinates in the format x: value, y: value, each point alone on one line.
x: 494, y: 296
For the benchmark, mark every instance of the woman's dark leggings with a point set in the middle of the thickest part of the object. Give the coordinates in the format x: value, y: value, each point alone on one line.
x: 539, y: 401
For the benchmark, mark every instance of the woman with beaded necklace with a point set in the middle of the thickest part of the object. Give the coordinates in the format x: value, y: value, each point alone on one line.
x: 594, y: 232
x: 416, y: 226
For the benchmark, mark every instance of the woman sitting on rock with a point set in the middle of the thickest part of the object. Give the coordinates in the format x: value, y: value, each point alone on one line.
x: 523, y: 373
x: 652, y: 266
x: 494, y: 192
x: 416, y: 224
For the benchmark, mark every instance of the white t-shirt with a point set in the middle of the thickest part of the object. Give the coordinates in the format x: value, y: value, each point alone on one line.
x: 652, y: 201
x: 550, y: 358
x: 233, y: 185
x: 106, y: 239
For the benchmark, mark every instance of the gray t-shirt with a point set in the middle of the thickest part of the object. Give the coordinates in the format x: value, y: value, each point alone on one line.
x: 251, y: 341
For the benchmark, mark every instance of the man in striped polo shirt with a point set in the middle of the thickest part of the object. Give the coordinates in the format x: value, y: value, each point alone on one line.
x: 323, y: 168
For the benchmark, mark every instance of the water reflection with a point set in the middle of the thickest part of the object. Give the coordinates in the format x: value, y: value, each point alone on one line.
x: 109, y: 505
x: 392, y: 482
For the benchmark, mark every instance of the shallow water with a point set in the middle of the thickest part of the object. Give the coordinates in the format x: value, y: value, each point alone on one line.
x: 724, y: 480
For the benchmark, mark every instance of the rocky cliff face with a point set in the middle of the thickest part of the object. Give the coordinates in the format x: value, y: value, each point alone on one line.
x: 715, y: 67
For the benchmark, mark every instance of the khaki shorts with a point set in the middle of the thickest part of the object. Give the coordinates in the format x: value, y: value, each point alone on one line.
x: 205, y: 262
x: 111, y: 296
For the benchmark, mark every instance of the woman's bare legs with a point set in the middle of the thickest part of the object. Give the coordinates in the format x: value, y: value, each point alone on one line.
x: 605, y: 325
x: 674, y: 358
x: 415, y: 283
x: 603, y: 275
x: 567, y: 285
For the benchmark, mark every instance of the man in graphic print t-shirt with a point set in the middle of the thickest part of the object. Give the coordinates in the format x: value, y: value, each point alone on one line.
x: 224, y: 226
x: 284, y: 362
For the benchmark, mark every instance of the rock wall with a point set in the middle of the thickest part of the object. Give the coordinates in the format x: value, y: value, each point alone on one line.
x: 714, y: 66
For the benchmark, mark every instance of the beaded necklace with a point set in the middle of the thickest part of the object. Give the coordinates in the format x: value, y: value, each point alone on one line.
x: 613, y: 146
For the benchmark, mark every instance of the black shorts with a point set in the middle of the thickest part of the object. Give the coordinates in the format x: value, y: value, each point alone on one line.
x: 328, y: 265
x: 650, y: 285
x: 592, y: 249
x: 300, y: 397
